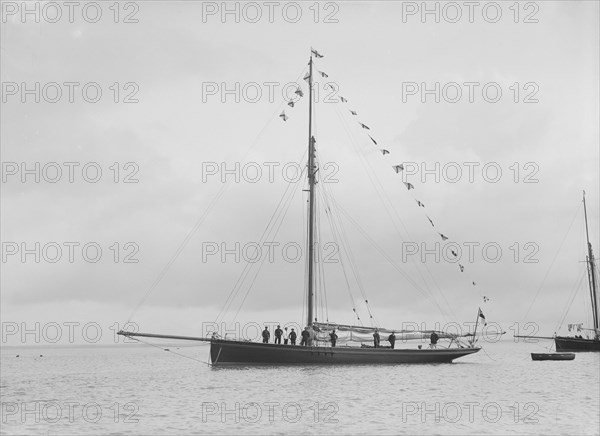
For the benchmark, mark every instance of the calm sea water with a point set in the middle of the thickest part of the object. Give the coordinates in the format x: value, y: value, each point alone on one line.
x: 131, y: 389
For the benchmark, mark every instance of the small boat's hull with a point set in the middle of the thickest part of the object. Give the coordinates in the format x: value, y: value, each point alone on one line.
x: 552, y: 356
x: 225, y: 352
x: 564, y: 343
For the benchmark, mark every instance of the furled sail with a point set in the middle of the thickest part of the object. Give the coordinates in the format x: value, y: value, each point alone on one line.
x: 353, y: 333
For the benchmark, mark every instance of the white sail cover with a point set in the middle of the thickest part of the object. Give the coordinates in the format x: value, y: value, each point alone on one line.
x: 352, y: 333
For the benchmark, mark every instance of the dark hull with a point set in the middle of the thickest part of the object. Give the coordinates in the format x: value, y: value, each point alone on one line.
x: 573, y: 344
x: 552, y: 356
x: 251, y: 353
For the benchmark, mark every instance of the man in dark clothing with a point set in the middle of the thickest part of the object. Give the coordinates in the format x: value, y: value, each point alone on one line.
x: 266, y: 335
x: 293, y: 337
x: 434, y: 338
x: 305, y: 336
x: 376, y: 338
x: 333, y: 337
x: 392, y: 339
x: 278, y: 334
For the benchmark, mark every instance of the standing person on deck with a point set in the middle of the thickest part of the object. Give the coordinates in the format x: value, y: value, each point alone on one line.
x: 266, y: 335
x: 305, y: 337
x: 293, y: 337
x: 285, y: 337
x: 392, y: 340
x: 333, y: 337
x: 278, y: 334
x: 376, y: 338
x: 434, y: 339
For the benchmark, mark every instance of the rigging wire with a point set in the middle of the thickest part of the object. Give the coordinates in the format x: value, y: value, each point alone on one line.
x: 248, y: 266
x: 322, y: 268
x: 305, y: 238
x: 349, y: 254
x: 276, y: 217
x: 317, y: 258
x: 574, y: 294
x: 386, y: 256
x: 207, y: 211
x: 388, y: 205
x: 550, y: 267
x: 334, y: 225
x: 429, y: 293
x: 170, y: 351
x: 284, y: 213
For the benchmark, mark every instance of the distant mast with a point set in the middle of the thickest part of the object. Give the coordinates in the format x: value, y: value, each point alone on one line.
x: 311, y: 197
x: 591, y: 273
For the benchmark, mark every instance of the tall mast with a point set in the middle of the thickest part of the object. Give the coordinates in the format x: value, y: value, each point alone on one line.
x: 311, y: 197
x: 591, y: 271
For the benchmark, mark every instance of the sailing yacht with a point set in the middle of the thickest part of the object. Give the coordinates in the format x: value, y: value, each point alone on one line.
x: 225, y: 351
x: 592, y: 341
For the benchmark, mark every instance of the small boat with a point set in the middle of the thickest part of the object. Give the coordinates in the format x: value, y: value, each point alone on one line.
x: 552, y: 356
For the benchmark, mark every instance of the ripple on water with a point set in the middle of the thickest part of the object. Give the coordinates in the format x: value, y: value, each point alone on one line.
x: 170, y: 394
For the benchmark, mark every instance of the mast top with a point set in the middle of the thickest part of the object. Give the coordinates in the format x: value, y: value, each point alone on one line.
x: 587, y: 234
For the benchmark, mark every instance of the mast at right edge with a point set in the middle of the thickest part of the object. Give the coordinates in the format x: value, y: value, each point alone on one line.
x: 591, y: 273
x: 311, y: 199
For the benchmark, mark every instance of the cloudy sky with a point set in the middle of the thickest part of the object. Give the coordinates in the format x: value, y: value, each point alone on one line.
x: 187, y: 91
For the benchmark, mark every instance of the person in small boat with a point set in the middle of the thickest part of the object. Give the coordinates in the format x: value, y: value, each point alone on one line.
x: 292, y: 337
x: 305, y: 337
x: 434, y: 339
x: 285, y: 336
x: 333, y: 337
x: 278, y: 334
x: 392, y: 340
x: 376, y: 338
x: 266, y: 335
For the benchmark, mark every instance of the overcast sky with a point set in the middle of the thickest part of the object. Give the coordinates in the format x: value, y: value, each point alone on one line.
x: 177, y: 59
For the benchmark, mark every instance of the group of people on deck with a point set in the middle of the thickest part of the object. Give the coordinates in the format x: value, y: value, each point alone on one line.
x: 287, y: 337
x: 377, y: 339
x: 306, y: 337
x: 434, y: 337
